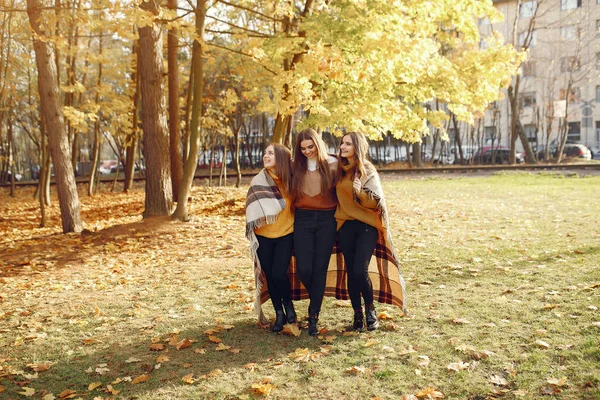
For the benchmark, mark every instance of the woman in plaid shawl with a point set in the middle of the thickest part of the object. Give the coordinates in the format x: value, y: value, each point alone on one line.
x: 363, y: 232
x: 269, y: 227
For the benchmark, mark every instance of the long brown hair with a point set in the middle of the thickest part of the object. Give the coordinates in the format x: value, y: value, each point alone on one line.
x: 283, y: 166
x: 361, y: 154
x: 300, y: 163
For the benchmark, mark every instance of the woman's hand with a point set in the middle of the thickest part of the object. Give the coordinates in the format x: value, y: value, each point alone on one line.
x: 357, y: 185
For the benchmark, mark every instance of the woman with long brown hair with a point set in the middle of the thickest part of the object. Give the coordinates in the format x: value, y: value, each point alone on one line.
x: 314, y: 174
x: 363, y: 232
x: 269, y: 227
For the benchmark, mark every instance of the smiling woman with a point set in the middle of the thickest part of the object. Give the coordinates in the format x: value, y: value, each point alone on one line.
x: 313, y: 190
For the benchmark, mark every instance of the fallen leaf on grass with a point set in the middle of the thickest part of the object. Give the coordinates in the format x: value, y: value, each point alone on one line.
x: 184, y: 344
x: 542, y: 344
x: 408, y: 397
x: 2, y: 388
x: 49, y: 396
x: 132, y: 360
x: 214, y: 339
x: 112, y: 390
x: 385, y: 315
x: 234, y: 351
x: 460, y: 321
x: 429, y: 393
x: 40, y: 367
x: 458, y: 366
x: 370, y: 343
x: 557, y: 382
x: 140, y: 379
x: 189, y: 379
x: 251, y: 366
x: 550, y: 306
x: 94, y: 385
x: 291, y: 329
x: 263, y: 389
x: 303, y: 355
x: 498, y: 380
x: 424, y: 361
x: 407, y: 350
x: 157, y: 346
x: 357, y: 370
x: 222, y: 347
x: 520, y: 393
x: 162, y: 358
x: 67, y: 394
x: 27, y: 391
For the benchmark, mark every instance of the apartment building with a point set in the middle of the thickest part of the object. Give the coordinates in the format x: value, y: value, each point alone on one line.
x: 561, y: 77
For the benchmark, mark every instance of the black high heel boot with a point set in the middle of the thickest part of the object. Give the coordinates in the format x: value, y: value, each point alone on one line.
x: 279, y: 321
x: 289, y: 311
x: 372, y: 321
x: 359, y: 320
x: 313, y: 317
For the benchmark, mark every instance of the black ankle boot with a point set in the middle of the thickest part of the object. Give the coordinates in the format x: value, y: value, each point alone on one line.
x: 279, y: 321
x: 371, y: 317
x: 289, y: 311
x: 313, y: 317
x: 359, y: 320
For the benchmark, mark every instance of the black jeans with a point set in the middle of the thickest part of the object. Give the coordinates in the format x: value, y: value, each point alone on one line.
x: 357, y: 241
x: 314, y: 237
x: 274, y: 256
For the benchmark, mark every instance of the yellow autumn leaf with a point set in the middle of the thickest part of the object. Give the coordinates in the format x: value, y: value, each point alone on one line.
x: 162, y: 358
x: 27, y: 391
x: 140, y: 379
x: 49, y: 396
x: 370, y: 343
x: 67, y: 394
x: 221, y: 347
x: 94, y: 385
x: 262, y: 388
x: 557, y: 382
x: 157, y: 346
x: 251, y: 366
x: 39, y: 367
x: 385, y: 315
x: 458, y: 366
x: 498, y: 380
x: 183, y: 344
x: 188, y: 379
x: 291, y: 329
x: 429, y: 393
x: 112, y: 390
x: 214, y: 339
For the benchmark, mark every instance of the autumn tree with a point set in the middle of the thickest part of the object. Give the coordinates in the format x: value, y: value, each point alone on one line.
x: 159, y: 199
x: 51, y: 106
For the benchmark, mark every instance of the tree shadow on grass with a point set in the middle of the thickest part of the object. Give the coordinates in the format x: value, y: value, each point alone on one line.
x: 116, y: 365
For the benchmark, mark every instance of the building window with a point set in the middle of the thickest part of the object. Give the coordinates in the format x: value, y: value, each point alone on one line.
x: 490, y: 133
x: 597, y: 93
x: 598, y: 131
x: 574, y: 95
x: 523, y: 37
x: 574, y: 133
x: 568, y: 33
x: 569, y: 64
x: 527, y: 9
x: 598, y: 61
x: 527, y: 99
x: 570, y: 4
x: 528, y: 68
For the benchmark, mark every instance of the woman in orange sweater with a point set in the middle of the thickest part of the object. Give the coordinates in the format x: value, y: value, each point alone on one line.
x: 314, y: 173
x: 269, y: 227
x: 362, y: 227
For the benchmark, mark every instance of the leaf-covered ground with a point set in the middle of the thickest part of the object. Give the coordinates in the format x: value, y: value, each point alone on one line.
x: 503, y: 296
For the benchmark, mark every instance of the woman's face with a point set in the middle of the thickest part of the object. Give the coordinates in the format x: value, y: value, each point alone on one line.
x: 347, y: 147
x: 309, y: 149
x: 269, y: 158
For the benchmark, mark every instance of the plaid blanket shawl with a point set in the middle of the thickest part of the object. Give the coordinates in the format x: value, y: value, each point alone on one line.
x: 384, y: 269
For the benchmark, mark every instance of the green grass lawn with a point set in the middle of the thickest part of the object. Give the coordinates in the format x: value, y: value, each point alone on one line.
x: 503, y: 294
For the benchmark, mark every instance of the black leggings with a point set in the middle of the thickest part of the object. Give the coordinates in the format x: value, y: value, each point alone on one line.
x: 274, y: 256
x: 358, y: 241
x: 314, y: 237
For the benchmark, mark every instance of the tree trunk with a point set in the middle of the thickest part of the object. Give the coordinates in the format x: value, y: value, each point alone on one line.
x: 70, y: 208
x: 133, y: 137
x: 91, y: 187
x: 174, y: 120
x: 191, y: 162
x: 159, y: 196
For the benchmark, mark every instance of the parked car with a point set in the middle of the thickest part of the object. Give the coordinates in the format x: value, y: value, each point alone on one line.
x: 595, y: 153
x: 495, y: 155
x: 577, y: 150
